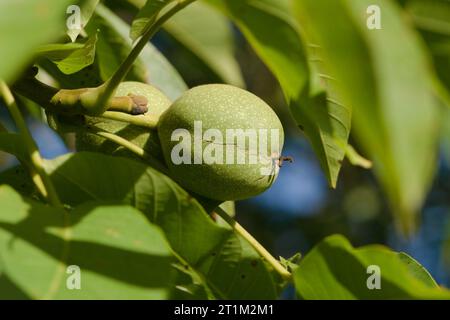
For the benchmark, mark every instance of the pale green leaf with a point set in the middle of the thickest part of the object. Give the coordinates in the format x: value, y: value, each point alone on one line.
x: 356, y: 159
x: 416, y: 269
x: 18, y: 21
x: 87, y: 8
x: 119, y: 253
x: 335, y: 270
x: 391, y: 97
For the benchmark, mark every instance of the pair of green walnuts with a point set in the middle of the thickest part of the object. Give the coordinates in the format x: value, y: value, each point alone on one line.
x: 178, y: 142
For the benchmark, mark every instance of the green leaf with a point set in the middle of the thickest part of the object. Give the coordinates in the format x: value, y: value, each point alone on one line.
x: 335, y: 270
x: 416, y: 269
x: 225, y: 262
x: 18, y: 20
x: 147, y: 14
x: 87, y: 8
x: 70, y: 57
x: 391, y: 97
x: 119, y: 253
x: 273, y: 33
x: 445, y: 137
x: 274, y: 37
x: 19, y: 178
x: 325, y: 120
x: 208, y: 34
x: 58, y: 51
x: 113, y: 47
x: 188, y: 286
x: 159, y: 72
x: 432, y: 19
x: 12, y: 143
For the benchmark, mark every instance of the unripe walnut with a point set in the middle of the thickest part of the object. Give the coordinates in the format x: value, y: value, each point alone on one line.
x: 144, y: 138
x: 207, y: 132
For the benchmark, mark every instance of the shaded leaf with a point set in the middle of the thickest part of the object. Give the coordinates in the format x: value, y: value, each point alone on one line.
x: 160, y: 72
x: 146, y: 15
x: 432, y: 19
x: 12, y: 143
x: 19, y: 178
x: 112, y: 47
x: 225, y: 262
x: 119, y: 253
x: 208, y: 34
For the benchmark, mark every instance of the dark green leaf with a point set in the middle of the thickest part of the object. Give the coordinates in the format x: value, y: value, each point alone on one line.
x: 432, y: 19
x: 208, y: 34
x: 112, y: 47
x: 12, y: 143
x: 158, y: 71
x: 226, y: 263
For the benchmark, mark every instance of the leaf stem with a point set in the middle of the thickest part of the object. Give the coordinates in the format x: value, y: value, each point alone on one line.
x: 39, y: 176
x: 111, y: 84
x: 285, y: 274
x: 139, y: 120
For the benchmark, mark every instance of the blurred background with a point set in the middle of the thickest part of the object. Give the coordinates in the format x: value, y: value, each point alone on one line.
x: 300, y: 209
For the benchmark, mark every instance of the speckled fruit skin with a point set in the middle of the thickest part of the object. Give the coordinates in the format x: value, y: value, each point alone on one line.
x: 220, y: 107
x: 142, y: 137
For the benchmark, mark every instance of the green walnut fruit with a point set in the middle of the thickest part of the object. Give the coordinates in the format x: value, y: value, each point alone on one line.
x: 144, y: 138
x: 208, y: 141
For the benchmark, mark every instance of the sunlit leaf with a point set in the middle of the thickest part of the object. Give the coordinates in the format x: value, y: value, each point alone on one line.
x: 18, y: 21
x: 120, y: 255
x: 335, y: 270
x: 86, y: 9
x: 70, y: 57
x: 391, y: 97
x: 226, y: 263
